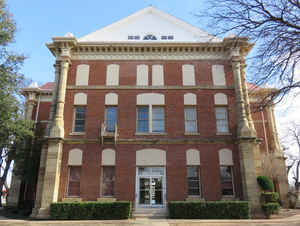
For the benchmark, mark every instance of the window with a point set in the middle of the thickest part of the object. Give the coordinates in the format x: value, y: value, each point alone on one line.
x: 143, y: 119
x: 170, y: 37
x: 150, y: 37
x: 226, y: 181
x: 193, y: 180
x: 74, y: 181
x: 190, y: 117
x: 108, y: 180
x: 158, y: 120
x: 79, y: 119
x: 145, y: 125
x: 164, y: 37
x: 111, y: 118
x: 188, y: 75
x: 222, y: 120
x: 112, y: 75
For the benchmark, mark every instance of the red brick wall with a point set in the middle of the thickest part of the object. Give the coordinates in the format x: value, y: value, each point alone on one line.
x: 126, y: 170
x: 174, y: 127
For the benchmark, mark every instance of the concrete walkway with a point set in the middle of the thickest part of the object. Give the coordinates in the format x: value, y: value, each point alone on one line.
x: 290, y: 221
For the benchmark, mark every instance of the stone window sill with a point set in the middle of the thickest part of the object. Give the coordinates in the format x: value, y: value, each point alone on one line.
x: 72, y: 199
x: 224, y: 134
x: 106, y: 199
x: 77, y: 133
x: 194, y: 198
x: 150, y: 134
x: 191, y: 134
x: 228, y: 197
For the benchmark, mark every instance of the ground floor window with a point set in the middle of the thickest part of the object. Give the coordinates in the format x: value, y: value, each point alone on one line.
x: 108, y: 180
x: 74, y: 181
x: 226, y: 181
x: 193, y: 180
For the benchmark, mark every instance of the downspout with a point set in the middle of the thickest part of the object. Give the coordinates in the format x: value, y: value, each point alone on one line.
x: 265, y: 133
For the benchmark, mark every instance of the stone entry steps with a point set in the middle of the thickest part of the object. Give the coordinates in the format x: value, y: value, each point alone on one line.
x: 150, y: 213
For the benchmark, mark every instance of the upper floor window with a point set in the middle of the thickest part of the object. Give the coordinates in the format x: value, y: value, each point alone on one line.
x: 142, y: 75
x: 149, y: 37
x: 188, y: 75
x: 221, y: 102
x: 111, y: 117
x: 190, y: 118
x: 222, y: 119
x: 218, y: 75
x: 79, y: 119
x: 157, y: 75
x: 150, y: 119
x: 82, y: 75
x: 150, y: 113
x: 167, y: 37
x: 112, y: 75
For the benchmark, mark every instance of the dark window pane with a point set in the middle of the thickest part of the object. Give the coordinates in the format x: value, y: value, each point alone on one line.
x: 158, y: 119
x: 193, y: 180
x: 79, y: 121
x: 108, y: 179
x: 111, y: 118
x: 226, y: 180
x: 143, y: 119
x: 74, y: 181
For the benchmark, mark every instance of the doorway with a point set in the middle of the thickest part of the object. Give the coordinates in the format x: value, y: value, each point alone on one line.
x: 150, y: 187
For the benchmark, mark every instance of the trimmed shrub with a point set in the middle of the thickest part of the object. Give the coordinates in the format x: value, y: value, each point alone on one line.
x: 265, y: 183
x: 90, y: 210
x: 270, y: 197
x: 270, y: 208
x: 209, y: 210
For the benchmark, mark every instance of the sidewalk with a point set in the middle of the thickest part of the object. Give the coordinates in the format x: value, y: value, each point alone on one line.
x: 290, y: 221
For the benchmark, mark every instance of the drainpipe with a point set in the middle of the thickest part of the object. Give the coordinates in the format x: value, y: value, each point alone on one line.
x: 265, y: 133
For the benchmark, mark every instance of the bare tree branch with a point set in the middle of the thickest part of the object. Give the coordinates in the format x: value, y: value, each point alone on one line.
x: 274, y: 27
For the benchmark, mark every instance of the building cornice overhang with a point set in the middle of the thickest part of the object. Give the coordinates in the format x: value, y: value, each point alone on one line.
x: 151, y: 47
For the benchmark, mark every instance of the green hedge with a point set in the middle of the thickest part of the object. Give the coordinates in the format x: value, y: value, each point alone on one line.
x: 270, y: 208
x: 265, y: 183
x: 90, y: 210
x: 270, y: 197
x: 209, y: 210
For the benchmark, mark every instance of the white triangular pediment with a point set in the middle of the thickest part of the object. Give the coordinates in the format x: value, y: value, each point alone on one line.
x: 149, y: 21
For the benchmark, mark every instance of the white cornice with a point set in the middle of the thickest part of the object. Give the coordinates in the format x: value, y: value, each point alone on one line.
x: 150, y: 56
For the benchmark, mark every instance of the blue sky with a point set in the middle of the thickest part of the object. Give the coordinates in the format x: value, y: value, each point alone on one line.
x: 38, y: 21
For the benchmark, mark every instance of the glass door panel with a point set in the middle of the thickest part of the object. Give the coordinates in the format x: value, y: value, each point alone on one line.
x: 156, y: 191
x: 144, y: 196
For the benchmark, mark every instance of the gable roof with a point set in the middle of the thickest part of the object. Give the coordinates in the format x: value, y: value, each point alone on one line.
x: 149, y: 21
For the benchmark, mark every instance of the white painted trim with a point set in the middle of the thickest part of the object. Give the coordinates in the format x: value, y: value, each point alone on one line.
x: 80, y: 99
x: 111, y: 99
x: 75, y: 157
x: 220, y: 99
x: 225, y: 157
x: 190, y: 99
x: 193, y: 157
x: 150, y: 56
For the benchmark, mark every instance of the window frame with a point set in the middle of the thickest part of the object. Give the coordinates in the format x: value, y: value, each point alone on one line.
x: 68, y: 182
x: 74, y: 119
x: 199, y: 179
x: 227, y: 119
x: 105, y: 115
x: 232, y: 181
x: 101, y: 181
x: 150, y: 119
x: 196, y: 120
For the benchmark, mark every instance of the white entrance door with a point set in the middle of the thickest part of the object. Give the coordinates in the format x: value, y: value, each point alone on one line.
x: 150, y: 187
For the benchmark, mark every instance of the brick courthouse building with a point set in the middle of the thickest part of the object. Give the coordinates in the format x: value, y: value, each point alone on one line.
x: 151, y: 109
